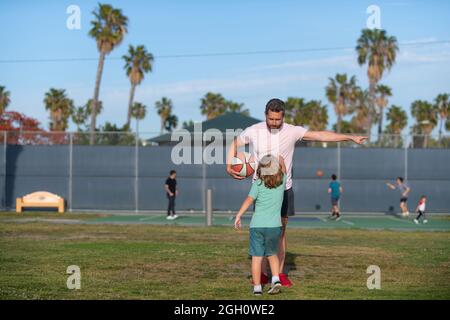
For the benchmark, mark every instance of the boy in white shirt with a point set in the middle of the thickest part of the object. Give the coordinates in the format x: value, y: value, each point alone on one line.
x: 421, y: 210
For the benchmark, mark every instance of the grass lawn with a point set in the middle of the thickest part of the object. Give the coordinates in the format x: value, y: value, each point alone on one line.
x: 144, y: 261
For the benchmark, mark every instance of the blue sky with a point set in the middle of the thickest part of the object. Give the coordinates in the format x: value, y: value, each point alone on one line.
x: 37, y: 30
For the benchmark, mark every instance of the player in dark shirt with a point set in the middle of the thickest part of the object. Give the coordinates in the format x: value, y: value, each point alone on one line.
x: 171, y: 191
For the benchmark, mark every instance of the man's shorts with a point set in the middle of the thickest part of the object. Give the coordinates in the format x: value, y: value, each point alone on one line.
x: 264, y: 242
x: 334, y: 201
x: 287, y: 208
x: 403, y: 199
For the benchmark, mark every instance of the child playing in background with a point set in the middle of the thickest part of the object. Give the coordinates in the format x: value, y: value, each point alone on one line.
x: 421, y: 210
x: 265, y: 227
x: 335, y: 190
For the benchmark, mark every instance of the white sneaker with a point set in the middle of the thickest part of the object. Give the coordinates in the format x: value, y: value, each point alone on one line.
x: 174, y: 217
x: 169, y: 218
x: 425, y: 221
x: 416, y: 221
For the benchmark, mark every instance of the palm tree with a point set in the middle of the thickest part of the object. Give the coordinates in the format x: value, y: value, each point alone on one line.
x: 294, y: 111
x: 381, y: 100
x: 442, y: 104
x: 108, y: 29
x: 318, y: 115
x: 213, y: 105
x: 346, y: 127
x: 232, y: 106
x: 171, y: 123
x: 164, y: 109
x: 398, y: 120
x: 378, y: 50
x: 138, y: 112
x: 137, y: 63
x: 341, y: 92
x: 79, y: 116
x: 4, y: 99
x: 60, y: 107
x: 360, y: 121
x: 187, y: 124
x: 426, y: 116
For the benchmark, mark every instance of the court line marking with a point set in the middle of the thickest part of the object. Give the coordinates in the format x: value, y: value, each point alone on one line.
x: 148, y: 218
x: 348, y: 222
x: 400, y: 220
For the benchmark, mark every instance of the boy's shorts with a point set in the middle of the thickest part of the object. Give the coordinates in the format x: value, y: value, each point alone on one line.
x: 334, y: 201
x: 264, y: 242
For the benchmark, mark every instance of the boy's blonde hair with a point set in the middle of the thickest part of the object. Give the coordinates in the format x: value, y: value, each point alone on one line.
x: 270, y: 171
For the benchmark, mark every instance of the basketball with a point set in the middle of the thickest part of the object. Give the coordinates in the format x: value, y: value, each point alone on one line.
x: 244, y: 164
x: 319, y: 173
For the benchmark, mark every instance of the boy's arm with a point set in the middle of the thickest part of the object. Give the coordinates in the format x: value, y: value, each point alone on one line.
x: 341, y: 189
x: 329, y: 190
x: 247, y: 202
x: 390, y: 186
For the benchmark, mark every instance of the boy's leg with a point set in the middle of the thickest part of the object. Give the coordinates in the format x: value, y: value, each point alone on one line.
x: 272, y: 246
x: 256, y: 270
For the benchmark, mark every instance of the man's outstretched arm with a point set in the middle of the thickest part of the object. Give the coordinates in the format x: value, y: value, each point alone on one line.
x: 330, y: 136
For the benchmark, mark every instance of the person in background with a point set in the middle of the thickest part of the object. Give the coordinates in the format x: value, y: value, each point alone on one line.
x: 404, y: 190
x: 171, y: 191
x: 421, y: 210
x: 335, y: 190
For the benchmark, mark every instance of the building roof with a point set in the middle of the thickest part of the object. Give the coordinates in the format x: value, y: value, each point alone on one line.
x: 229, y: 120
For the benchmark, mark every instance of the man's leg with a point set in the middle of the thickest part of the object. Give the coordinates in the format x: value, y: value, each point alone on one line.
x: 172, y: 205
x: 169, y: 203
x: 283, y: 244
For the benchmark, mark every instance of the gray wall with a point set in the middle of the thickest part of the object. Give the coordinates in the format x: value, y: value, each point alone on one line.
x: 103, y: 177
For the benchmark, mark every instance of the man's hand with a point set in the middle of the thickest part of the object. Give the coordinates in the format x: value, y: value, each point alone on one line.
x: 359, y: 139
x: 237, y: 222
x: 171, y: 194
x: 233, y: 173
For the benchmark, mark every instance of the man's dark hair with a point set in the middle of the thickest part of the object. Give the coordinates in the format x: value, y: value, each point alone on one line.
x: 172, y: 172
x: 423, y: 196
x: 275, y: 105
x: 400, y: 178
x: 333, y: 177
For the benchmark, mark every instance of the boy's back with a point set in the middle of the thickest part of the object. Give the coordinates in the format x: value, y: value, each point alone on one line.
x: 268, y: 204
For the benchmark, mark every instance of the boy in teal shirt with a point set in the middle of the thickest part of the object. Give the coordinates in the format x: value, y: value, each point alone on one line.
x: 265, y: 227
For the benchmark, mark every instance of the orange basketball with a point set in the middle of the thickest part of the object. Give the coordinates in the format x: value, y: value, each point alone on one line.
x: 244, y: 164
x: 319, y: 173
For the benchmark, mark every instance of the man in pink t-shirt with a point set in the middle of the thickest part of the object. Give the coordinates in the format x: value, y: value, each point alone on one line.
x: 275, y: 137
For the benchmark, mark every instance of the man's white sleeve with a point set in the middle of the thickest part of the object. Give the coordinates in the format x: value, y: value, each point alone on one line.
x: 299, y: 132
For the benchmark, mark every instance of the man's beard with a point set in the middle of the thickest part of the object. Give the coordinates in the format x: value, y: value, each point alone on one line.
x: 274, y: 129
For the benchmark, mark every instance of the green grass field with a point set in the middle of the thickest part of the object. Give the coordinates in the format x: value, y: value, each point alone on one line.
x: 123, y: 257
